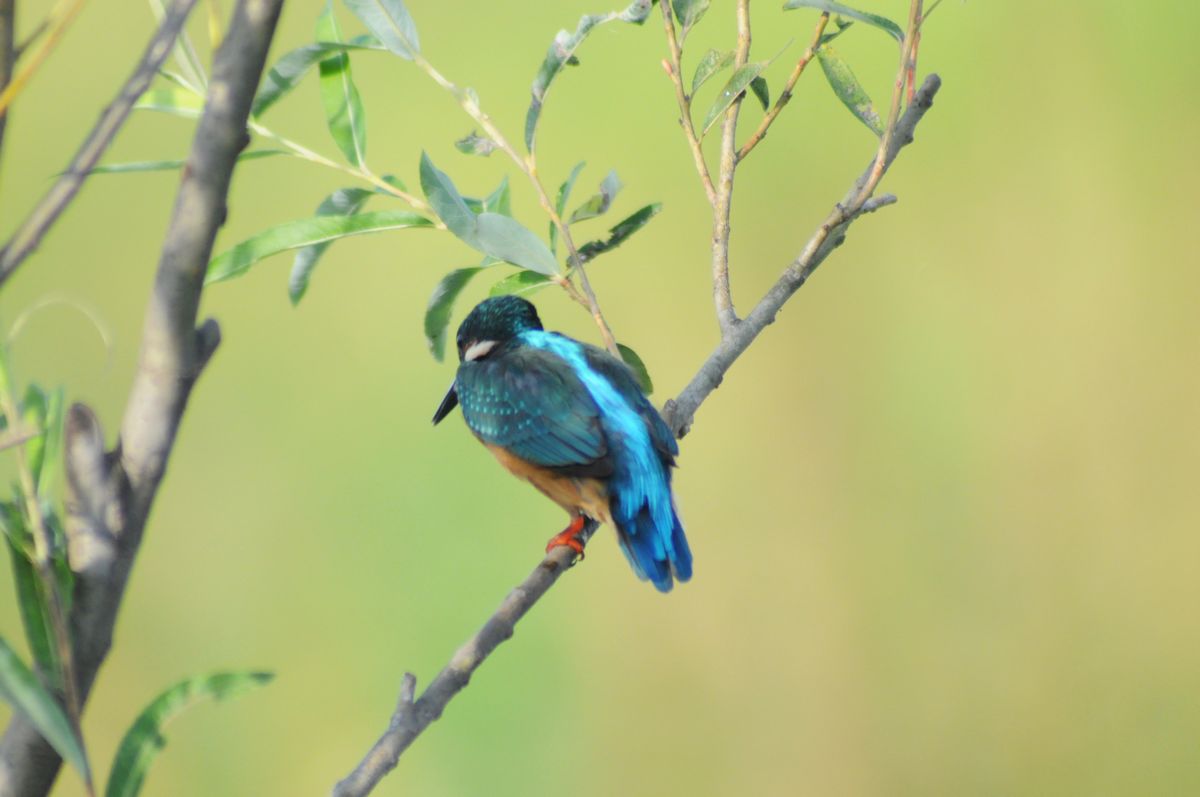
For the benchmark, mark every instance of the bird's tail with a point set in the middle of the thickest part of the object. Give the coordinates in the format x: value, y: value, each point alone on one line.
x: 656, y: 547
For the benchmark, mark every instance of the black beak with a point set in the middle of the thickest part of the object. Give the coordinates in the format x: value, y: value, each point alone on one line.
x: 448, y: 403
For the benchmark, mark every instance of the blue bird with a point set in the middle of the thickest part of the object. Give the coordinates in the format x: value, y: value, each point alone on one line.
x: 572, y: 420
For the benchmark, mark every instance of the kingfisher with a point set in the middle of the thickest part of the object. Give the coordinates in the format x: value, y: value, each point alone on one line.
x: 572, y: 420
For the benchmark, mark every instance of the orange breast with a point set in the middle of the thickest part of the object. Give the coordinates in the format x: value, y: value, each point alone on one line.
x: 585, y: 496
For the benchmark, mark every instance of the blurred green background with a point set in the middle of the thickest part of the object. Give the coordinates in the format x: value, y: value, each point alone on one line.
x: 944, y: 538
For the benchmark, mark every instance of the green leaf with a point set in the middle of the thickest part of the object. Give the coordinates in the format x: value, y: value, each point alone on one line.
x: 562, y: 52
x: 171, y: 165
x: 344, y: 113
x: 500, y: 200
x: 171, y: 99
x: 441, y: 304
x: 47, y: 476
x: 758, y: 87
x: 33, y: 417
x: 599, y: 203
x: 475, y: 144
x: 505, y: 238
x: 883, y: 23
x: 848, y: 89
x: 619, y: 233
x: 35, y: 614
x: 305, y: 232
x: 21, y: 689
x: 391, y: 23
x: 288, y: 70
x: 447, y: 203
x: 145, y: 738
x: 521, y: 283
x: 688, y: 12
x: 635, y: 363
x: 733, y: 89
x: 560, y: 203
x: 710, y: 64
x: 344, y: 202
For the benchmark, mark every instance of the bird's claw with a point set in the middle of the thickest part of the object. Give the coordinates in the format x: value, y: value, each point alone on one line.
x: 569, y: 538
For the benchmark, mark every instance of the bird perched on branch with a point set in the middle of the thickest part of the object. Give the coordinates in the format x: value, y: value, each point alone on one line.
x: 572, y: 420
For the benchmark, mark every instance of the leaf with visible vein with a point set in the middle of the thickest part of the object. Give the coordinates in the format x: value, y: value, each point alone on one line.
x: 145, y: 737
x: 522, y: 283
x: 171, y: 99
x: 305, y: 232
x: 638, y: 367
x: 288, y: 70
x: 738, y: 83
x: 20, y: 688
x: 344, y: 202
x: 35, y: 614
x: 447, y: 203
x: 505, y: 238
x: 710, y: 64
x: 391, y: 23
x: 619, y: 233
x: 562, y: 52
x: 344, y: 113
x: 441, y: 304
x: 848, y: 89
x: 688, y: 12
x: 599, y: 203
x: 883, y: 23
x: 166, y: 166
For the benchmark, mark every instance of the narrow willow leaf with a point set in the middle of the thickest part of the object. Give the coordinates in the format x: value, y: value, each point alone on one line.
x: 505, y: 238
x: 35, y: 614
x: 391, y: 23
x: 145, y: 737
x: 305, y: 232
x: 441, y: 304
x: 20, y: 688
x: 33, y: 417
x: 344, y: 202
x: 562, y: 52
x: 47, y: 476
x: 710, y: 64
x: 638, y: 367
x: 560, y: 203
x: 883, y: 23
x: 598, y: 204
x: 475, y: 144
x: 166, y: 166
x: 288, y: 70
x: 447, y: 203
x: 848, y: 89
x: 343, y: 105
x: 620, y: 232
x: 521, y: 283
x: 758, y: 87
x: 688, y: 12
x: 733, y: 89
x: 500, y: 200
x: 171, y: 99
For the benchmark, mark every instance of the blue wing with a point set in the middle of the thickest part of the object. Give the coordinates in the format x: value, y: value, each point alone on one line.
x: 531, y: 403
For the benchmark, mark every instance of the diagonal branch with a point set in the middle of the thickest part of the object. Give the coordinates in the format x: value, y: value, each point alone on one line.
x: 8, y: 52
x: 30, y: 233
x: 111, y: 493
x: 413, y: 716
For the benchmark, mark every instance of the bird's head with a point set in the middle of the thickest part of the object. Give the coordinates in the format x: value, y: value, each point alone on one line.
x: 494, y: 321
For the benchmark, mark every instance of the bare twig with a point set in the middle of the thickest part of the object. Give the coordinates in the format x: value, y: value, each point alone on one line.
x: 785, y: 96
x: 413, y: 716
x: 111, y: 494
x: 8, y: 53
x: 674, y: 69
x: 29, y: 234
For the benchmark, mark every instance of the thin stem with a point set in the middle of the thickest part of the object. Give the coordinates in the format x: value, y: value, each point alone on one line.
x: 528, y: 167
x: 8, y: 52
x: 43, y: 558
x: 675, y: 71
x: 62, y: 15
x: 723, y: 206
x: 785, y: 96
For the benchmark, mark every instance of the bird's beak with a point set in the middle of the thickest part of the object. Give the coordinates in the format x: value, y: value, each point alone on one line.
x: 448, y: 403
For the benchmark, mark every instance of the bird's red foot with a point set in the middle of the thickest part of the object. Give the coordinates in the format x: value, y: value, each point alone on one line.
x: 569, y: 538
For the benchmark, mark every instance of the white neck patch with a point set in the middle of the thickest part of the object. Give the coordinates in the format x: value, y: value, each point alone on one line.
x: 478, y: 349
